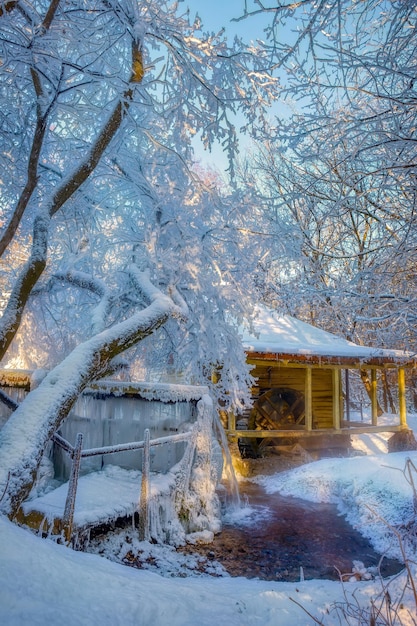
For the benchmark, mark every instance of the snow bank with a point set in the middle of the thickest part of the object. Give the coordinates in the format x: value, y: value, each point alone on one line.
x: 42, y: 583
x: 367, y: 490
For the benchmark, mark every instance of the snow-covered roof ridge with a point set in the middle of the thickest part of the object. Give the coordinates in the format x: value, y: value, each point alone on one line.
x: 282, y: 334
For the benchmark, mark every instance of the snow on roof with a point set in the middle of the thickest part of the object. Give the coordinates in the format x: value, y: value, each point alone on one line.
x: 283, y: 334
x: 163, y: 392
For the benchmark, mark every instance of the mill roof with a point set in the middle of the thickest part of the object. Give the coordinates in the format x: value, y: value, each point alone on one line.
x: 285, y: 338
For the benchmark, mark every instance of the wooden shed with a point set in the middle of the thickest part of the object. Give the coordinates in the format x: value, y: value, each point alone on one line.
x: 307, y: 384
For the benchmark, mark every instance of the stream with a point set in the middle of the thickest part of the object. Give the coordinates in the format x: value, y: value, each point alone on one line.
x: 283, y: 534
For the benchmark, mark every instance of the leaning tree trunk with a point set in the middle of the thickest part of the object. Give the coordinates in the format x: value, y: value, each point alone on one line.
x: 26, y: 433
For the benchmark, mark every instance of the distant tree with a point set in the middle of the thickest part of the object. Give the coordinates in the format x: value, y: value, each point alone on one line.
x: 338, y: 171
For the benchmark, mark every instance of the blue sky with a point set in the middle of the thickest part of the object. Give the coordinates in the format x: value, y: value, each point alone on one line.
x: 216, y: 14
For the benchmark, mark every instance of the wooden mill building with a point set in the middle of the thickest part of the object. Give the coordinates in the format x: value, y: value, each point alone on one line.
x: 306, y: 381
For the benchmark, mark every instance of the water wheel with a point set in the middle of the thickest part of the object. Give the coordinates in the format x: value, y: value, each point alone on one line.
x: 281, y: 408
x: 278, y: 408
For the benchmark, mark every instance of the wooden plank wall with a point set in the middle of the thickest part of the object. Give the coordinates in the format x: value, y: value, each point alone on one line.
x: 294, y: 377
x: 322, y: 402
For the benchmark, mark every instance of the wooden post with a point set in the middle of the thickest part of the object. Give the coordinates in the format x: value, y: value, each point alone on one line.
x: 347, y: 390
x: 144, y: 490
x: 336, y: 399
x: 374, y: 398
x: 401, y: 397
x: 308, y: 400
x: 231, y: 421
x: 68, y: 518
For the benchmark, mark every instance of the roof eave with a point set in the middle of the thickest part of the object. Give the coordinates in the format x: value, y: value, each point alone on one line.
x: 317, y: 359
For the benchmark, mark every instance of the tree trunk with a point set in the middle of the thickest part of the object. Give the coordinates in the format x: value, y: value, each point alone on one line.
x: 389, y: 404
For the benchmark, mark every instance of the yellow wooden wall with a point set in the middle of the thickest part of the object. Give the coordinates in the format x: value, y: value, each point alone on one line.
x: 322, y: 401
x: 278, y: 375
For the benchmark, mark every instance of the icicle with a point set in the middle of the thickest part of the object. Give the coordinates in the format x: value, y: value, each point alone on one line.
x: 228, y: 466
x: 196, y: 501
x: 144, y: 492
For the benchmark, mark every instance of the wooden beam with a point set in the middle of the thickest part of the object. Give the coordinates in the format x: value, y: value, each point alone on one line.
x: 374, y: 398
x: 308, y: 400
x: 336, y: 399
x: 285, y: 358
x: 275, y: 434
x: 401, y: 397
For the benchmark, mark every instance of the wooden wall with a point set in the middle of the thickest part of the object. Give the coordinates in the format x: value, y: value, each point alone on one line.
x: 322, y: 401
x: 278, y: 375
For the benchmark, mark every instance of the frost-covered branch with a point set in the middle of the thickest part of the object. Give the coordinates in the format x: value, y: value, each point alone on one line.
x: 147, y: 288
x: 179, y: 301
x: 41, y: 124
x: 29, y: 276
x: 96, y: 286
x: 32, y: 271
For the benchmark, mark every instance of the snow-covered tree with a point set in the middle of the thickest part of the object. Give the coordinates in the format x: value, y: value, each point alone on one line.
x: 338, y: 170
x: 106, y: 230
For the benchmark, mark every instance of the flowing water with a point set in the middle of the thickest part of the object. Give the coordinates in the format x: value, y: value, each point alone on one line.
x: 279, y: 535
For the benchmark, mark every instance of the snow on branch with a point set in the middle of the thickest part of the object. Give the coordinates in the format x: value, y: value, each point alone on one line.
x: 179, y: 301
x: 143, y: 283
x: 31, y: 272
x: 96, y: 286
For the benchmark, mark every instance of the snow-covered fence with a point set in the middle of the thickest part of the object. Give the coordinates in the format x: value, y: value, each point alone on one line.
x: 184, y: 476
x: 77, y: 454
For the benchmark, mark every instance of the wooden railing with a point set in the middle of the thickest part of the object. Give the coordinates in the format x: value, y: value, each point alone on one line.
x: 77, y: 454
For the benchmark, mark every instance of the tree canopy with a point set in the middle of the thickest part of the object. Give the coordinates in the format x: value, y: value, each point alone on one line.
x: 337, y: 170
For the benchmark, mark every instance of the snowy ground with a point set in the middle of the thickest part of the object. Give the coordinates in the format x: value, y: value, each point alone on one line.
x: 42, y: 582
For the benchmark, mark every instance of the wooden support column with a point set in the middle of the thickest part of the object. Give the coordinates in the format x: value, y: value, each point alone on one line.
x: 374, y: 398
x: 336, y: 398
x: 308, y: 400
x: 68, y: 517
x: 231, y: 421
x: 401, y: 397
